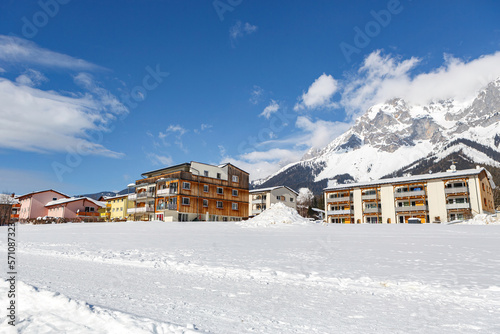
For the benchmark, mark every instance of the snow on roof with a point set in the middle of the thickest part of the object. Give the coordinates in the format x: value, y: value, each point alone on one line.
x: 271, y: 189
x: 409, y: 179
x: 74, y: 199
x: 107, y: 198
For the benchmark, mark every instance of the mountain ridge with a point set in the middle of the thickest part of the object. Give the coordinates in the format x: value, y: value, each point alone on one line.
x: 396, y: 134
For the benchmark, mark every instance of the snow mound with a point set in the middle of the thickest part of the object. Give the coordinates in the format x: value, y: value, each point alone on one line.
x: 482, y: 219
x: 42, y: 311
x: 277, y: 215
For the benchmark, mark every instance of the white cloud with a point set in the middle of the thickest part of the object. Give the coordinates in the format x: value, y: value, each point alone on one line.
x: 270, y: 109
x: 105, y: 99
x: 382, y: 77
x: 239, y: 30
x: 261, y: 164
x: 31, y: 78
x: 15, y: 50
x: 320, y: 133
x: 159, y: 159
x: 256, y: 94
x: 204, y: 127
x: 46, y: 121
x: 319, y: 94
x: 177, y: 131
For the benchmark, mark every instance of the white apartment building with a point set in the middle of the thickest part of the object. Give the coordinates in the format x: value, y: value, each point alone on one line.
x: 261, y: 199
x: 428, y: 198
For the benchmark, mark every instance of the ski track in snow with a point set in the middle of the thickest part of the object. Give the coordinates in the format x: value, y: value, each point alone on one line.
x: 227, y: 279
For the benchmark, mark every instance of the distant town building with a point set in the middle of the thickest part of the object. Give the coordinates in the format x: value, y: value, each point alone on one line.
x: 262, y: 199
x: 33, y: 204
x: 427, y: 198
x: 84, y: 208
x: 191, y: 191
x: 116, y: 207
x: 52, y: 203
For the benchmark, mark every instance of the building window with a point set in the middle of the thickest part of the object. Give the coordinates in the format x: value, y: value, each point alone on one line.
x: 219, y: 205
x: 205, y: 173
x: 121, y: 209
x: 205, y: 188
x: 235, y: 178
x: 185, y: 201
x: 235, y: 192
x: 54, y: 199
x: 235, y: 206
x: 186, y: 185
x: 218, y: 175
x: 291, y: 199
x: 205, y: 203
x: 220, y: 190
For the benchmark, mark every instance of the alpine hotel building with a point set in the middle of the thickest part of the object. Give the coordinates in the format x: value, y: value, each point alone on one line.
x: 191, y: 191
x: 429, y: 198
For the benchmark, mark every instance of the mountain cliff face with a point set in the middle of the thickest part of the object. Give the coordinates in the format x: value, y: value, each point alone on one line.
x: 396, y: 136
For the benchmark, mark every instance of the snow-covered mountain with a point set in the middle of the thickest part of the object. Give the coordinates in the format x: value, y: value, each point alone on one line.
x: 396, y: 135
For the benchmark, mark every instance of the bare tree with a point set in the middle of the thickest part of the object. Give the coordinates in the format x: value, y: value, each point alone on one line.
x: 6, y: 202
x: 304, y: 201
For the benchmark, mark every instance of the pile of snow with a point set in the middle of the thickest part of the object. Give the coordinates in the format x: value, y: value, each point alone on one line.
x: 483, y: 219
x: 276, y: 215
x: 42, y: 311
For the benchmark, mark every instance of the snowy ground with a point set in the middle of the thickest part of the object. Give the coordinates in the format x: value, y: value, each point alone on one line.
x: 153, y: 277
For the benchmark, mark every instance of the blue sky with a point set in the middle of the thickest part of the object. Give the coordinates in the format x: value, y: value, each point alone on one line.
x: 93, y: 93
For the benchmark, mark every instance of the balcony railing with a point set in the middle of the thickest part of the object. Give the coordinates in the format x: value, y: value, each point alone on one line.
x: 368, y: 197
x: 169, y: 206
x: 411, y: 208
x: 456, y: 190
x: 458, y: 206
x: 166, y: 191
x: 258, y: 201
x: 131, y: 211
x: 338, y: 199
x: 339, y: 212
x: 371, y: 210
x: 88, y: 214
x: 132, y: 197
x: 409, y: 193
x: 146, y: 194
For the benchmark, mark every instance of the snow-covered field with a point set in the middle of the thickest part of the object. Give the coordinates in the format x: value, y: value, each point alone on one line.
x: 154, y: 277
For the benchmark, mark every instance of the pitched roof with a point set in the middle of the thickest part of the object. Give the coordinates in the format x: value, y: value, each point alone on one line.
x: 74, y: 199
x: 409, y: 179
x: 42, y: 191
x: 272, y: 188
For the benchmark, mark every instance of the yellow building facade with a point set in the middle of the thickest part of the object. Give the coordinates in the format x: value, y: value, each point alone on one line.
x: 116, y: 208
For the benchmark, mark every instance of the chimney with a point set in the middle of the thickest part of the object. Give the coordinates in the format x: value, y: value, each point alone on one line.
x: 12, y: 195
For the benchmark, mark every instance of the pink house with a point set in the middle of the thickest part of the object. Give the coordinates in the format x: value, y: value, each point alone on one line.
x: 33, y: 204
x: 71, y: 208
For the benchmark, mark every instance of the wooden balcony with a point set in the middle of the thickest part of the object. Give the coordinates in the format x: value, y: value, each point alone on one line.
x: 339, y: 199
x: 454, y: 206
x: 88, y: 214
x: 416, y: 193
x: 457, y: 190
x: 371, y: 210
x: 411, y: 208
x: 368, y: 197
x: 339, y: 212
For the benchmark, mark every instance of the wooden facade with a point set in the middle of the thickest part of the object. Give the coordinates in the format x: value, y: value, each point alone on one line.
x: 180, y: 191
